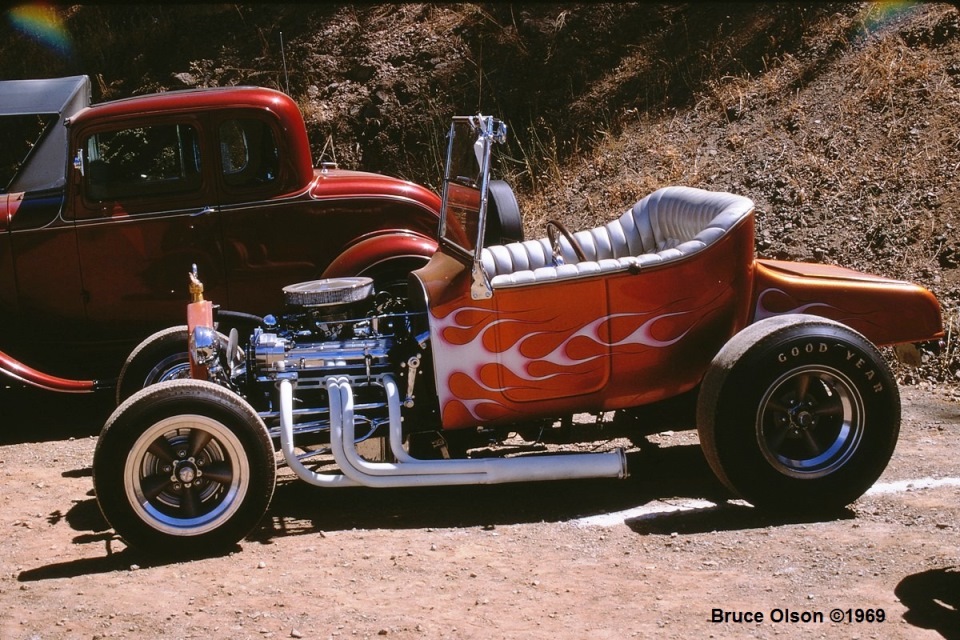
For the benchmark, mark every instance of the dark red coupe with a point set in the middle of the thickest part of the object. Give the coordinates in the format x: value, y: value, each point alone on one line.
x: 104, y: 209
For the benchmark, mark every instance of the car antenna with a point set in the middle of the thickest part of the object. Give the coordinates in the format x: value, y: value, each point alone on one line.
x: 283, y: 56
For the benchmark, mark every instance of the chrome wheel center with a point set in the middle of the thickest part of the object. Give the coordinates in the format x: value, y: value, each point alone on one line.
x: 802, y: 419
x: 186, y: 472
x: 810, y: 422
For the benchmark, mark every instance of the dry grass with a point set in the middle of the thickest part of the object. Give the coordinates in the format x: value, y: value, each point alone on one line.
x: 851, y: 156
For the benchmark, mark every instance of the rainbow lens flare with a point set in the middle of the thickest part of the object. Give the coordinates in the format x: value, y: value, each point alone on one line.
x: 44, y: 24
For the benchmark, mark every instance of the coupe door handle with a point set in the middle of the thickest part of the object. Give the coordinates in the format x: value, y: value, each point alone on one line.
x: 203, y: 212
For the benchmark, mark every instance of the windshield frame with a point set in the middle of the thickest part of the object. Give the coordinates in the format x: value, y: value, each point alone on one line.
x: 464, y: 197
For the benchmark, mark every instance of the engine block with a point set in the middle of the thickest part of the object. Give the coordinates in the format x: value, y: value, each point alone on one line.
x: 334, y: 327
x: 276, y: 356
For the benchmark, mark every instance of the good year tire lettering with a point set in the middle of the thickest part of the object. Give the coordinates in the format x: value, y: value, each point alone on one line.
x: 869, y: 374
x: 810, y: 347
x: 852, y: 357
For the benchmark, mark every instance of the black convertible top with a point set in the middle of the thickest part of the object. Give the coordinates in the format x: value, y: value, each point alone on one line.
x: 33, y: 140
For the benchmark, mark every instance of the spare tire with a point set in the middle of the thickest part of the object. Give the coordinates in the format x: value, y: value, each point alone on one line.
x: 504, y: 224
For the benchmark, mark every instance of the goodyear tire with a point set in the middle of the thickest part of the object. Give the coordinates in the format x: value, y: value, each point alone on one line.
x: 184, y: 468
x: 798, y: 413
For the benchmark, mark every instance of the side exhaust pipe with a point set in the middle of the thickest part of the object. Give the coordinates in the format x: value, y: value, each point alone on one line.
x: 286, y: 445
x: 410, y: 472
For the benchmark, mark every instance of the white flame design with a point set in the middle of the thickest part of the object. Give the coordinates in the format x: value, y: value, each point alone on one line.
x: 468, y: 359
x: 762, y: 312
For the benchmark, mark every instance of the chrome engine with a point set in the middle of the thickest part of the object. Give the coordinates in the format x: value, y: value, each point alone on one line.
x: 328, y: 327
x: 335, y: 327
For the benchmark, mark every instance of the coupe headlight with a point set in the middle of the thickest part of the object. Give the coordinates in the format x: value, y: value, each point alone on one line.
x: 204, y: 346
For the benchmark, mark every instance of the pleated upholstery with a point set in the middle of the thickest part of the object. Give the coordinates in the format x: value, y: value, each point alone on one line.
x: 669, y: 224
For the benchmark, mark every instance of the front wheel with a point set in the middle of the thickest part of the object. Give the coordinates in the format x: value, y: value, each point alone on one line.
x: 798, y: 413
x: 160, y: 357
x: 184, y: 467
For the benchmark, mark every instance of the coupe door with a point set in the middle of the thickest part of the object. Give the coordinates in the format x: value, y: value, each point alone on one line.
x: 271, y: 230
x: 146, y: 213
x: 41, y: 286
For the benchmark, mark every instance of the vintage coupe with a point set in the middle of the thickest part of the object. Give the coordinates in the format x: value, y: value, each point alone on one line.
x: 795, y: 407
x: 104, y: 207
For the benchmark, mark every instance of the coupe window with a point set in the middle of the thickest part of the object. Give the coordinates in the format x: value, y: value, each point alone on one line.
x: 142, y: 162
x: 250, y: 156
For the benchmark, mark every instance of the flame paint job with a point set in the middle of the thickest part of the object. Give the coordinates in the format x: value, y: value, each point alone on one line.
x: 594, y: 343
x: 616, y: 340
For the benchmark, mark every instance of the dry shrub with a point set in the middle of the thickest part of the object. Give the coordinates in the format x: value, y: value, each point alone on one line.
x: 889, y: 68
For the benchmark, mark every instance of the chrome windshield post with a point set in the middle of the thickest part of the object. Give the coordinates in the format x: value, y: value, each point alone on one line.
x: 466, y: 180
x: 466, y: 186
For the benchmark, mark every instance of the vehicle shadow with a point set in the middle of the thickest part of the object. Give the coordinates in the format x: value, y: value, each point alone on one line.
x: 124, y: 559
x: 657, y: 474
x: 35, y: 415
x: 726, y: 516
x: 932, y: 599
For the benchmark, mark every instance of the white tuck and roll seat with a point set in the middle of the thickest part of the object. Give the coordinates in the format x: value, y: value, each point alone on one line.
x: 667, y: 225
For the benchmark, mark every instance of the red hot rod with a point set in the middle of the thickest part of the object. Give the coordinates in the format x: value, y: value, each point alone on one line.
x: 795, y: 407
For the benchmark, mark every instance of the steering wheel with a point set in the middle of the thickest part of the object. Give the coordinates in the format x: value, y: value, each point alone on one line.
x: 555, y: 229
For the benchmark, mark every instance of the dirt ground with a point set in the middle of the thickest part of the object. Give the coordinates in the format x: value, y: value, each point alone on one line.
x: 510, y: 561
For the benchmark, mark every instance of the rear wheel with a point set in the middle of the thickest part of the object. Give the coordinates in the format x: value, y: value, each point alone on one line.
x: 798, y: 413
x: 504, y: 224
x: 184, y: 467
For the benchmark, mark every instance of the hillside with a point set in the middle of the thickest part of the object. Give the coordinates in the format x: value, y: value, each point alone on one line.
x: 840, y: 120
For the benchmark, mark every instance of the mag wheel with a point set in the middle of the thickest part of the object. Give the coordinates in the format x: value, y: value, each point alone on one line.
x: 810, y: 421
x: 184, y: 467
x: 798, y: 413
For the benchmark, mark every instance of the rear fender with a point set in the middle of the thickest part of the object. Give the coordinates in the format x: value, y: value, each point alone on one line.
x: 885, y: 311
x: 371, y: 252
